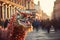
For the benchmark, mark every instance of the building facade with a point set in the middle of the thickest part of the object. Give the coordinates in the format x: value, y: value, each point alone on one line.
x: 39, y: 11
x: 29, y: 4
x: 56, y: 12
x: 7, y: 7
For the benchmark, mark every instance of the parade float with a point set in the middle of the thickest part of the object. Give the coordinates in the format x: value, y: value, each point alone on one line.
x: 18, y: 29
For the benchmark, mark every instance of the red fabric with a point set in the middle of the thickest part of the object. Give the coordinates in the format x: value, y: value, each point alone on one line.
x: 25, y: 15
x: 18, y: 33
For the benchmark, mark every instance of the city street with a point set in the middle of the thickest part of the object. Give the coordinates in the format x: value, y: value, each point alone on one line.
x: 18, y: 18
x: 43, y: 35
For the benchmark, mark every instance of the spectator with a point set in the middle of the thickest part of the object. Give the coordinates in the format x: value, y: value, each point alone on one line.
x: 48, y: 25
x: 6, y: 23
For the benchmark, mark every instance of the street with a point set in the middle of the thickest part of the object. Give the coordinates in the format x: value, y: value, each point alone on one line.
x: 43, y: 35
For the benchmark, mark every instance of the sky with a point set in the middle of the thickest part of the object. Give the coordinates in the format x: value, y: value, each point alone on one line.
x: 46, y: 6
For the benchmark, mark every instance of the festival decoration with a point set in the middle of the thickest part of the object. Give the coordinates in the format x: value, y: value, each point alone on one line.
x: 19, y: 33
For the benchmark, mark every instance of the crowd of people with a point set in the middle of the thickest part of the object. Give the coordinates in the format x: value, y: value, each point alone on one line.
x: 3, y: 28
x: 4, y: 23
x: 46, y: 24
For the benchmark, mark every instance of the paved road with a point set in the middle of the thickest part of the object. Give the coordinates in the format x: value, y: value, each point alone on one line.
x: 43, y: 35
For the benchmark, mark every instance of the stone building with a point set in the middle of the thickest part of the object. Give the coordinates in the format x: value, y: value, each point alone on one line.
x: 56, y: 12
x: 7, y: 8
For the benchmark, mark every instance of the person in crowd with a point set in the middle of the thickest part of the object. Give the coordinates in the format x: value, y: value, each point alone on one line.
x: 6, y: 23
x: 36, y: 24
x: 48, y: 25
x: 2, y: 23
x: 58, y: 24
x: 42, y: 24
x: 0, y: 33
x: 54, y: 24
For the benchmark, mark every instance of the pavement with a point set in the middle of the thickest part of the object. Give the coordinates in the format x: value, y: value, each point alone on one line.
x: 43, y: 35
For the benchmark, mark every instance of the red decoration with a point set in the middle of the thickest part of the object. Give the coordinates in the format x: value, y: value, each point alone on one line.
x: 11, y: 20
x: 18, y: 33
